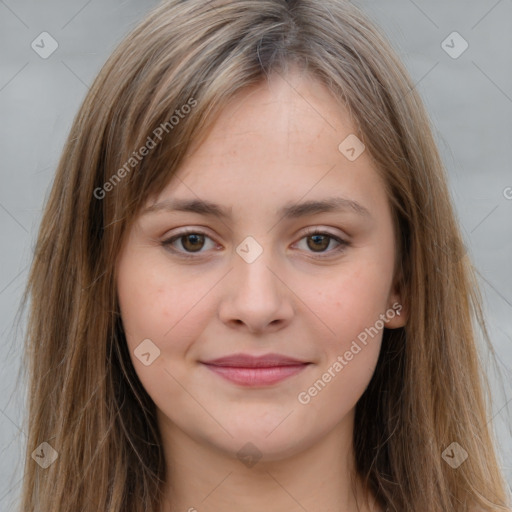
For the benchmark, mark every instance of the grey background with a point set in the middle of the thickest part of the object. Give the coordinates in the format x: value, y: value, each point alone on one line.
x: 469, y: 100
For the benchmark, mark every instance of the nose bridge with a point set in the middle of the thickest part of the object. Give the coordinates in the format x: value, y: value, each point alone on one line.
x: 256, y: 296
x: 253, y: 263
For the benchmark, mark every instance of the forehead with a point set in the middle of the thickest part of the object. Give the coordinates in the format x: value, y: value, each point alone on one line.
x: 295, y: 107
x: 273, y: 143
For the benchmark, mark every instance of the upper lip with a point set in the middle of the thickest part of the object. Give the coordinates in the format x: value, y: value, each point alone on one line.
x: 248, y: 361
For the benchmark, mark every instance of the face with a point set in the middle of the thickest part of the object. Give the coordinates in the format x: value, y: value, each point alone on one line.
x: 266, y: 275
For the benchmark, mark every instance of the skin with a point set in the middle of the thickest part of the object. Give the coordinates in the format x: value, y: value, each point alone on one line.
x: 275, y: 144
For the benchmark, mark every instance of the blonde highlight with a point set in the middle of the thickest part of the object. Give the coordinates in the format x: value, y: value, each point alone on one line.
x: 85, y: 398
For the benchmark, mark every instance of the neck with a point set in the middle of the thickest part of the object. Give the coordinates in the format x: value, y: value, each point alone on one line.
x: 320, y: 477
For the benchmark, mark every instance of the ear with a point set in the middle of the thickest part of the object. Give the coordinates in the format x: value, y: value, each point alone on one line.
x: 396, y: 312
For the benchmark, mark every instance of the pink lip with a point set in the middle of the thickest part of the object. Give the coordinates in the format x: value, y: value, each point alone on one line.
x: 248, y: 370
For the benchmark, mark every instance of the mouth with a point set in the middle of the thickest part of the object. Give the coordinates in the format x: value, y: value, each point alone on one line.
x: 247, y: 370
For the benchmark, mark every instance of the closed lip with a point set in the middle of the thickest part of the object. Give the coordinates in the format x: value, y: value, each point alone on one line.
x: 249, y: 361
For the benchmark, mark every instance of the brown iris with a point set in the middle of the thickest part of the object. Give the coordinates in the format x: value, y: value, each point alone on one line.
x: 196, y: 239
x: 325, y: 243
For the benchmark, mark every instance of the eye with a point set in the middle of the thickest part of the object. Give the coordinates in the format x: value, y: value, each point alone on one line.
x: 318, y: 241
x: 191, y: 242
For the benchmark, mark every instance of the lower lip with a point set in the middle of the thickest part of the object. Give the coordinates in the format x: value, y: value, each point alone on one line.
x: 256, y: 376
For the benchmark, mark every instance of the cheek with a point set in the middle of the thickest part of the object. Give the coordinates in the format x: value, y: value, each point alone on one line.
x: 168, y: 316
x: 353, y: 300
x: 143, y: 314
x: 164, y: 305
x: 350, y: 306
x: 149, y: 308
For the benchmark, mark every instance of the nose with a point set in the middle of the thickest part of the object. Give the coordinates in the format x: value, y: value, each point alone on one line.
x: 256, y: 297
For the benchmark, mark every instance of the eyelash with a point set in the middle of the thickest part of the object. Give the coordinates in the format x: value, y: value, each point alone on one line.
x: 343, y: 244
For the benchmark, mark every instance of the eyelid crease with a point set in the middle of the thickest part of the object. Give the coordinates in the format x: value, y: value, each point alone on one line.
x: 311, y: 231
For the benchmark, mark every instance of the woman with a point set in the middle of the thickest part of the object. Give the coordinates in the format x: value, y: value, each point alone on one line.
x: 306, y: 343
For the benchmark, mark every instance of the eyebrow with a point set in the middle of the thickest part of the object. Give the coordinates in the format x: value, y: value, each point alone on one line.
x: 289, y: 211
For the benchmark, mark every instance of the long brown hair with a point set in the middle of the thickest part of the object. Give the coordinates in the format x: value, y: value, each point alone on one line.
x: 84, y: 397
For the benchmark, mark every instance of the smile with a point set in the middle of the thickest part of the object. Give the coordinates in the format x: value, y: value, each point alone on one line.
x: 260, y: 376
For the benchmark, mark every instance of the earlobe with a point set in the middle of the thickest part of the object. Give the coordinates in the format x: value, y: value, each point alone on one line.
x: 396, y: 313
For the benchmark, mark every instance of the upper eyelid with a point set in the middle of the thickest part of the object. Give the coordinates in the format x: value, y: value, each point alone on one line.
x: 342, y: 240
x: 308, y: 231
